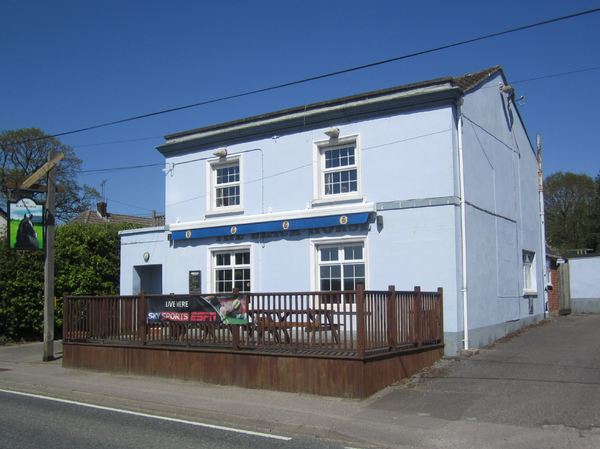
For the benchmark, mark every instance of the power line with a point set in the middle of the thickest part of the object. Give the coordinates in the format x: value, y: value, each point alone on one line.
x: 112, y: 200
x: 126, y: 167
x: 299, y: 167
x: 132, y: 167
x: 526, y: 80
x: 556, y: 75
x: 114, y: 142
x: 324, y: 75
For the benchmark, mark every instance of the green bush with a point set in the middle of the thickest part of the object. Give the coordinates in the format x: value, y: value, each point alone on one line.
x: 86, y: 263
x: 21, y: 293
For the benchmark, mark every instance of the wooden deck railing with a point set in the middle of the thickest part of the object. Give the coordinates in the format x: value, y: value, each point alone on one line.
x: 354, y: 323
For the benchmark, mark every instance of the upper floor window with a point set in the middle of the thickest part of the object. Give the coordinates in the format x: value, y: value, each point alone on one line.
x: 225, y: 189
x: 227, y: 185
x: 338, y: 171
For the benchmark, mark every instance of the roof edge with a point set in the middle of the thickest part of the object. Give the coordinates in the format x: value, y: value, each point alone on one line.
x: 408, y: 95
x: 311, y: 107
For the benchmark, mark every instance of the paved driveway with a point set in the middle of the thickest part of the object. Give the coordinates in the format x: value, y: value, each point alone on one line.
x: 546, y: 377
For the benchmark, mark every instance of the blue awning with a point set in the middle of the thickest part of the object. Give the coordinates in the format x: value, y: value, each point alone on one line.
x: 272, y: 226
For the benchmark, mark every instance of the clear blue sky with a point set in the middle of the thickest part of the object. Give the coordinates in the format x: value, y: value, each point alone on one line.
x: 70, y: 64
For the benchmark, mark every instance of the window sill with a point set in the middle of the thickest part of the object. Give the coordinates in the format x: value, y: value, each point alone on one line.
x: 530, y: 293
x: 224, y: 213
x: 341, y: 199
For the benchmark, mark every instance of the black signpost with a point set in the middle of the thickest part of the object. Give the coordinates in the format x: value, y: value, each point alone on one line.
x: 31, y: 227
x: 195, y: 282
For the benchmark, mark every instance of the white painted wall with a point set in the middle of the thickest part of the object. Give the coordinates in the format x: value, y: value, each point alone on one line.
x: 585, y: 284
x: 406, y: 156
x: 403, y: 156
x: 585, y: 277
x: 134, y: 243
x: 412, y: 155
x: 503, y: 215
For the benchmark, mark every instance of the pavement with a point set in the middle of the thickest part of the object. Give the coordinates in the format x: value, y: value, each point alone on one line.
x: 539, y: 388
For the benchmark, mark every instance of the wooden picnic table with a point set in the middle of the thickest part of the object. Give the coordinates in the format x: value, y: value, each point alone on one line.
x: 279, y: 322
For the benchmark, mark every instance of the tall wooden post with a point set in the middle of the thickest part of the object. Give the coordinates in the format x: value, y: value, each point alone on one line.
x: 392, y: 326
x: 49, y: 265
x: 418, y: 313
x: 142, y: 317
x: 360, y: 320
x: 440, y: 315
x: 235, y: 328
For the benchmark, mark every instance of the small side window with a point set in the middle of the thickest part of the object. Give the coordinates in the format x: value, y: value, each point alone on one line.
x: 529, y: 282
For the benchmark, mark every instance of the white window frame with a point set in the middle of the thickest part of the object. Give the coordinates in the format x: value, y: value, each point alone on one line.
x: 529, y: 272
x: 548, y: 268
x: 316, y: 244
x: 211, y: 185
x: 211, y: 263
x: 319, y: 170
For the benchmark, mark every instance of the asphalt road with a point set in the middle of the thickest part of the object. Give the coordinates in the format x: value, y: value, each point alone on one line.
x: 539, y: 389
x: 30, y: 422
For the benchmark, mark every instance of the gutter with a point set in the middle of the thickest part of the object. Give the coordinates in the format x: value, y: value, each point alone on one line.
x: 441, y: 92
x: 542, y: 221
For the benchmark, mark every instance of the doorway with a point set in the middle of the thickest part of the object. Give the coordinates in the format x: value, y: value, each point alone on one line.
x: 147, y: 279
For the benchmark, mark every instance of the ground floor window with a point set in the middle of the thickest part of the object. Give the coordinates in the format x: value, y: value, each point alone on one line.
x: 341, y: 266
x: 529, y: 284
x: 231, y: 270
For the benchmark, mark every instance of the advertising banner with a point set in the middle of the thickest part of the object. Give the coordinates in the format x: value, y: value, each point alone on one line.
x: 225, y: 309
x: 25, y: 225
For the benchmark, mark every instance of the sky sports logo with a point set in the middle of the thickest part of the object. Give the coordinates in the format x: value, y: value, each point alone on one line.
x: 194, y: 317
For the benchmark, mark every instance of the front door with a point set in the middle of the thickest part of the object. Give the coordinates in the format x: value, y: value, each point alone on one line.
x: 147, y: 279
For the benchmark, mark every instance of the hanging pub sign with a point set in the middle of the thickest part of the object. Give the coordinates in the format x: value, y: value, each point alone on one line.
x: 226, y: 309
x: 26, y: 225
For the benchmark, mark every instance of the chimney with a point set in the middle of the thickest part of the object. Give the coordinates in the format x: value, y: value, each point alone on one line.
x: 101, y: 208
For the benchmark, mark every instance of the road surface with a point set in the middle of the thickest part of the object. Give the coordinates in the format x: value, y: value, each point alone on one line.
x: 29, y: 421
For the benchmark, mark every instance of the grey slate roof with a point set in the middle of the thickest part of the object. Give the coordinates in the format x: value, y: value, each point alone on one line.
x: 92, y: 216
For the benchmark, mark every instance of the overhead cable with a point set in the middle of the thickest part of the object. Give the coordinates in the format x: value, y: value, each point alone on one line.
x: 322, y: 76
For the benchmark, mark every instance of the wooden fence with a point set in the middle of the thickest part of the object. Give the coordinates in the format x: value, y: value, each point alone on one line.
x: 356, y: 323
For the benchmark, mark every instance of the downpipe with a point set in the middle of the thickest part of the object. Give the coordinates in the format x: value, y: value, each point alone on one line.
x: 463, y: 227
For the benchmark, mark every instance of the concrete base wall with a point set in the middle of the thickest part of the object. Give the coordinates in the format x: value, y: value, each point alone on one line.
x: 484, y: 336
x: 353, y: 378
x: 585, y: 305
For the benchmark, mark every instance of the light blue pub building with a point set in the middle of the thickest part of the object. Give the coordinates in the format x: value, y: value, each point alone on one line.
x: 432, y: 184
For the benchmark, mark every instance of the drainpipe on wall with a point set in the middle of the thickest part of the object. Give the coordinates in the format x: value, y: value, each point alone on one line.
x: 542, y: 220
x: 463, y: 235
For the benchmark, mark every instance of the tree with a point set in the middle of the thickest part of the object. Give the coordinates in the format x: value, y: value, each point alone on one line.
x: 23, y: 151
x: 571, y: 202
